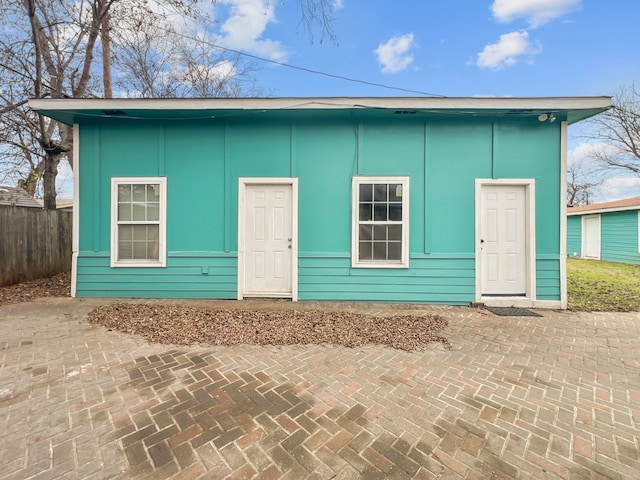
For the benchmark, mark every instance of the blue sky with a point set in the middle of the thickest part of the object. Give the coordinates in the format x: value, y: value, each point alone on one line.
x: 451, y: 48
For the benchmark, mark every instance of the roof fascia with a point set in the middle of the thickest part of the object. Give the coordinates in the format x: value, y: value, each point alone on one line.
x: 320, y: 103
x: 602, y: 210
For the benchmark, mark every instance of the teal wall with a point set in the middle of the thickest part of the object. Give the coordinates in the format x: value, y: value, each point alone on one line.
x: 619, y: 232
x: 574, y: 236
x: 618, y: 236
x: 202, y: 161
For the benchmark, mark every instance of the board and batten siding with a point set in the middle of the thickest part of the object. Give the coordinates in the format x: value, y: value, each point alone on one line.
x: 203, y: 159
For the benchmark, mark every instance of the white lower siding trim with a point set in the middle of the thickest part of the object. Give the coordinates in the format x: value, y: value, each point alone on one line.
x: 521, y: 302
x: 74, y: 273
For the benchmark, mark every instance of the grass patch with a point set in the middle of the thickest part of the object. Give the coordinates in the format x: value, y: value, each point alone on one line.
x: 595, y: 285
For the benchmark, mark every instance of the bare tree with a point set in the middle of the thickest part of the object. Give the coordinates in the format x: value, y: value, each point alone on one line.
x: 70, y: 48
x: 618, y: 131
x: 52, y: 43
x: 582, y: 186
x: 154, y: 60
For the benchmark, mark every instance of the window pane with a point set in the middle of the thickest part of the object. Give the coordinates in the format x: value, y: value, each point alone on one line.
x: 139, y: 212
x: 138, y: 203
x: 395, y: 212
x: 379, y: 250
x: 395, y: 192
x: 124, y: 193
x: 380, y: 236
x: 125, y: 232
x: 153, y: 232
x: 365, y: 212
x: 140, y: 250
x: 139, y: 193
x: 395, y: 251
x: 125, y: 250
x: 366, y: 232
x: 379, y: 232
x: 380, y: 193
x: 124, y: 212
x: 153, y: 192
x: 139, y: 232
x: 395, y: 232
x: 153, y: 252
x: 365, y: 251
x: 153, y: 211
x: 380, y: 212
x: 366, y: 192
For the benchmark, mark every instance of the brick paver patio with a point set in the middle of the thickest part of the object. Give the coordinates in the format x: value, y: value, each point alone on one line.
x: 517, y: 397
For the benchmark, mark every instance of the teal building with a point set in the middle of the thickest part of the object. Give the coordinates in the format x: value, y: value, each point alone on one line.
x: 425, y: 200
x: 605, y: 231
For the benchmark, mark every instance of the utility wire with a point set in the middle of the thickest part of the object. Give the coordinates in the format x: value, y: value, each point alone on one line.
x: 305, y: 69
x: 24, y: 75
x: 274, y: 62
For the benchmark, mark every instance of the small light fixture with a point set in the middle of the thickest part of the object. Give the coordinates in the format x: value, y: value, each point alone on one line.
x: 543, y: 117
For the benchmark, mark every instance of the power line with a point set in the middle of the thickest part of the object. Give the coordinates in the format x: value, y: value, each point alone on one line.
x: 308, y: 70
x: 274, y: 62
x: 24, y: 75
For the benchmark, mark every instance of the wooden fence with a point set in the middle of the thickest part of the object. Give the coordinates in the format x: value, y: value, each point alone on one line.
x: 34, y: 243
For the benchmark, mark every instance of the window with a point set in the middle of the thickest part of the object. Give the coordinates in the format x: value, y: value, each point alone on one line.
x: 138, y: 223
x: 380, y: 214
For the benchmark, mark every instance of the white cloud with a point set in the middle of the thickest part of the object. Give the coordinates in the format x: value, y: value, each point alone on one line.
x: 244, y: 27
x: 338, y: 4
x: 583, y: 153
x: 394, y: 55
x: 506, y: 51
x: 64, y: 180
x: 617, y: 188
x: 537, y: 12
x: 612, y: 184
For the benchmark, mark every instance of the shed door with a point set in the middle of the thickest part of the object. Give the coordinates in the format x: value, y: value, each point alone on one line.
x: 503, y: 239
x: 591, y: 237
x: 268, y: 240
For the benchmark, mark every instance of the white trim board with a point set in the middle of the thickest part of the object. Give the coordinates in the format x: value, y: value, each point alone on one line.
x: 563, y: 216
x: 75, y: 229
x: 162, y: 222
x: 530, y: 209
x: 602, y: 210
x: 243, y: 182
x: 356, y: 181
x: 325, y: 103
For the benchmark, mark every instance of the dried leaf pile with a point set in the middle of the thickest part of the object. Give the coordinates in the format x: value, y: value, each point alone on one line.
x: 58, y: 286
x: 186, y: 325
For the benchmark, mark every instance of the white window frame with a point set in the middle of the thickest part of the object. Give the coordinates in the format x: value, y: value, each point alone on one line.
x: 355, y: 223
x: 162, y: 222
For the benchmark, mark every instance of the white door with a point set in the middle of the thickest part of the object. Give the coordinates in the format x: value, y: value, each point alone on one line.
x: 268, y: 240
x: 591, y: 237
x: 503, y: 240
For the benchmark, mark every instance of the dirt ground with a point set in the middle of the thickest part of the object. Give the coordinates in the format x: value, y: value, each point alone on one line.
x: 58, y: 286
x: 181, y: 324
